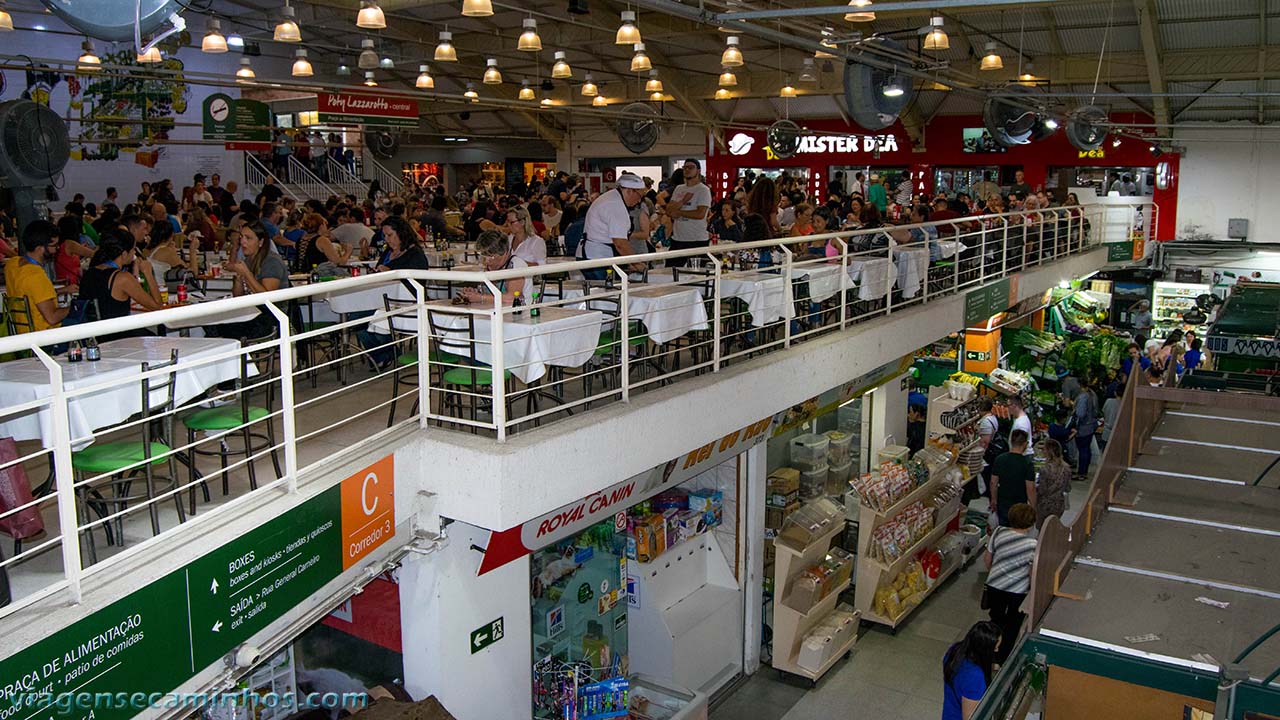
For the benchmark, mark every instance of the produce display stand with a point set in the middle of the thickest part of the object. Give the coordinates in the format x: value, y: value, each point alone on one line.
x: 790, y: 626
x: 872, y: 573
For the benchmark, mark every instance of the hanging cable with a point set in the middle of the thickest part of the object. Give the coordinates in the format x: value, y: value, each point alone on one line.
x: 1111, y: 15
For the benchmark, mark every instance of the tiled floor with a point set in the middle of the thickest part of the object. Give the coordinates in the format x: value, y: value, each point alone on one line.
x: 888, y: 676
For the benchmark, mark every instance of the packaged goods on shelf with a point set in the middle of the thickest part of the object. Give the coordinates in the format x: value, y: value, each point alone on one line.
x: 1010, y: 381
x: 946, y: 501
x: 809, y: 451
x: 674, y: 499
x: 776, y: 517
x: 881, y: 490
x: 898, y: 534
x: 818, y: 581
x: 964, y: 392
x: 710, y: 503
x: 831, y: 633
x: 653, y: 530
x: 838, y: 478
x: 894, y: 598
x: 783, y: 487
x: 934, y: 458
x: 812, y: 520
x: 838, y: 451
x: 813, y: 482
x: 651, y: 537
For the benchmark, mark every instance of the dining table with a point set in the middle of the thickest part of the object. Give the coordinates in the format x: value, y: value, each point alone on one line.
x: 107, y: 392
x: 913, y: 269
x: 874, y: 277
x: 559, y: 336
x: 667, y: 311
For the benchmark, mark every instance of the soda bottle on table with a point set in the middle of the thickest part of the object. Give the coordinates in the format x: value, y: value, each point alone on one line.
x: 516, y: 304
x: 92, y: 352
x: 608, y: 278
x: 534, y: 310
x: 74, y: 353
x: 182, y: 292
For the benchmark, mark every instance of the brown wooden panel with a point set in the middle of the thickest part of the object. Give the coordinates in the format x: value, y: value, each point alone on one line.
x: 1222, y: 400
x: 1052, y: 547
x: 1073, y: 695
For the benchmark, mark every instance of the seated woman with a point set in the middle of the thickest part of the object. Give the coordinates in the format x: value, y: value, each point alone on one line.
x: 495, y: 254
x: 163, y: 253
x: 403, y: 253
x: 316, y: 247
x: 66, y: 264
x: 726, y: 225
x: 111, y: 283
x: 256, y: 269
x: 199, y: 225
x: 522, y: 237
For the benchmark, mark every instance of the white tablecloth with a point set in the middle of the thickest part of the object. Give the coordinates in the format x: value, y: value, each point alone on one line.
x: 874, y: 277
x: 366, y: 298
x: 559, y: 336
x: 768, y: 295
x: 26, y: 380
x: 221, y: 317
x: 913, y: 269
x: 950, y: 248
x: 824, y: 280
x: 667, y: 311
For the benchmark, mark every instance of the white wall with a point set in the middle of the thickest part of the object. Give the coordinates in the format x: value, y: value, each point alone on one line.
x: 441, y: 602
x: 888, y: 415
x: 1229, y: 173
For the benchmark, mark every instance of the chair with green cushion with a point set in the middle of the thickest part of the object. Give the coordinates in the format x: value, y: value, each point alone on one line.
x: 123, y: 461
x: 462, y: 384
x: 609, y: 347
x: 404, y: 341
x: 259, y: 370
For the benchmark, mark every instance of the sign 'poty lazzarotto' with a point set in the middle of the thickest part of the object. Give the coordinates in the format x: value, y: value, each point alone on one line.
x: 366, y: 109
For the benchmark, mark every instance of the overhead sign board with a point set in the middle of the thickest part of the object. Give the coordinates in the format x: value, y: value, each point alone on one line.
x: 982, y: 303
x: 241, y: 124
x: 349, y: 108
x: 158, y: 637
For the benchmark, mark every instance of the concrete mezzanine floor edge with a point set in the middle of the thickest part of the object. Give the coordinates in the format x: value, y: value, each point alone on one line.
x: 501, y: 485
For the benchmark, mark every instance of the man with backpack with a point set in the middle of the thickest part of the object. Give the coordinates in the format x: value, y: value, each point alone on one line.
x: 993, y: 445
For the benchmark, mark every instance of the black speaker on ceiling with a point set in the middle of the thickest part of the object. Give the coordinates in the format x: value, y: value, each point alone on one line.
x: 579, y: 7
x: 464, y: 115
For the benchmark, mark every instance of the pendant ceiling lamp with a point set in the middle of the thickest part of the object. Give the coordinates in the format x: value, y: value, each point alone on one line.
x: 213, y: 41
x: 936, y: 38
x: 526, y: 92
x: 628, y: 33
x: 245, y: 71
x: 150, y: 57
x: 424, y: 81
x: 371, y: 16
x: 343, y: 68
x: 88, y: 60
x: 368, y: 79
x: 492, y: 76
x: 728, y: 79
x: 640, y: 61
x: 809, y: 72
x: 477, y: 8
x: 287, y: 29
x: 368, y: 59
x: 445, y: 51
x: 732, y: 56
x: 561, y: 69
x: 529, y: 40
x: 302, y: 66
x: 589, y: 88
x: 6, y: 20
x: 599, y: 101
x: 654, y: 84
x: 471, y: 93
x: 992, y: 60
x: 861, y: 14
x: 788, y: 90
x: 722, y: 94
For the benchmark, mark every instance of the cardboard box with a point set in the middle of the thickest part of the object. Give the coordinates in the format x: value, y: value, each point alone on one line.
x: 783, y: 481
x: 692, y: 523
x: 774, y: 517
x: 709, y: 502
x: 651, y: 537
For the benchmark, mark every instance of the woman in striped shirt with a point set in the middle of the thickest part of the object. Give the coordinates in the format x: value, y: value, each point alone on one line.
x: 1010, y: 553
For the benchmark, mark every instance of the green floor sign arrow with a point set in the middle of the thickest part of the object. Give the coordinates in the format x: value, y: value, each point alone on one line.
x: 158, y: 637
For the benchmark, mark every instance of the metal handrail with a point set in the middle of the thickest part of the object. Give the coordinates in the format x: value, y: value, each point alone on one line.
x: 301, y: 177
x: 993, y: 235
x: 387, y: 179
x: 345, y: 179
x: 256, y: 174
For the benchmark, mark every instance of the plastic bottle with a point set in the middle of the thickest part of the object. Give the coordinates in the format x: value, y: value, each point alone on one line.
x: 182, y: 292
x: 75, y: 354
x: 534, y: 310
x: 516, y: 304
x: 608, y: 278
x: 92, y: 352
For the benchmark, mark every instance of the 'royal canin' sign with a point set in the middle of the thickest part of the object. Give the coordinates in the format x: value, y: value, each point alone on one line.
x: 366, y: 109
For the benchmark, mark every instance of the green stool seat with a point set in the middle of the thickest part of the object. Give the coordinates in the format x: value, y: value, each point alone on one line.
x: 114, y: 457
x: 407, y: 359
x: 462, y: 376
x: 609, y: 341
x: 227, y: 417
x: 440, y: 356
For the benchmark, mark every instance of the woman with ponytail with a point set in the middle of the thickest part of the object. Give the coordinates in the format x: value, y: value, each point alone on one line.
x: 110, y: 280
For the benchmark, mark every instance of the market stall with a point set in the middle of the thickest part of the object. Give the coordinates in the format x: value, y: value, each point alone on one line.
x: 1244, y: 337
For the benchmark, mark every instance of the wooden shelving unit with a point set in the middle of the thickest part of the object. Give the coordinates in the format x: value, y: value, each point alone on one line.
x: 790, y: 626
x: 872, y: 573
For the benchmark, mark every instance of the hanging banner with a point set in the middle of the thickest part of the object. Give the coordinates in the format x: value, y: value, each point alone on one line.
x: 343, y: 108
x: 516, y: 542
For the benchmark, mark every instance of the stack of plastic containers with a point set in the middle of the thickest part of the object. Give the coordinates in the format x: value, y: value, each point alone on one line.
x: 839, y: 461
x: 809, y: 456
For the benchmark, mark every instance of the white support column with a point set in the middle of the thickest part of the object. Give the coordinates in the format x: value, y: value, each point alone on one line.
x: 754, y: 471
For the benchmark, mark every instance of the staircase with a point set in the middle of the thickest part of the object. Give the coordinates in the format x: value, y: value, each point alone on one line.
x: 388, y: 181
x: 338, y: 176
x: 302, y: 184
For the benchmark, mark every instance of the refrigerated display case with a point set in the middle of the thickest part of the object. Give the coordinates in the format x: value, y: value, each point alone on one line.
x: 1170, y: 301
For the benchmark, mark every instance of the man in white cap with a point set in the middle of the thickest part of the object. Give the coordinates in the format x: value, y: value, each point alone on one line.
x: 688, y: 209
x: 607, y: 230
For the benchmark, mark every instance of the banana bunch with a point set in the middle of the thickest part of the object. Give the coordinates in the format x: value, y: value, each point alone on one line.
x: 964, y: 377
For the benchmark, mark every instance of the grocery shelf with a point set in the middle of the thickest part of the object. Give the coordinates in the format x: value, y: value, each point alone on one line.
x: 835, y: 656
x: 892, y: 568
x: 919, y: 599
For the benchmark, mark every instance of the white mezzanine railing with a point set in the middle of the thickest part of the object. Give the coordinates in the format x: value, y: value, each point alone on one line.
x: 592, y: 343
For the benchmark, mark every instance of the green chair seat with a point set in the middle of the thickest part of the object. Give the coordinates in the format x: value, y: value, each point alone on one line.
x: 226, y: 417
x: 462, y: 376
x: 113, y: 457
x: 407, y: 359
x: 442, y: 357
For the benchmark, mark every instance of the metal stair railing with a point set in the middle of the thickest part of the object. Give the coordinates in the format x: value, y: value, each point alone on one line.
x: 256, y: 174
x: 387, y: 180
x: 339, y: 176
x: 301, y: 177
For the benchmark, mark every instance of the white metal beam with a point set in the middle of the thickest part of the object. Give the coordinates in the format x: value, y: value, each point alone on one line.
x: 1148, y: 28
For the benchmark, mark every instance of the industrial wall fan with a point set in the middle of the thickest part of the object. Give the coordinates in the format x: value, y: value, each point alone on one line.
x: 382, y: 143
x: 784, y: 138
x: 114, y: 20
x: 638, y: 131
x: 1011, y: 118
x: 34, y: 148
x: 864, y: 89
x: 1087, y: 128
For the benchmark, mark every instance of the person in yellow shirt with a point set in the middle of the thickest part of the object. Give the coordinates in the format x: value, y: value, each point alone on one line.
x: 25, y: 276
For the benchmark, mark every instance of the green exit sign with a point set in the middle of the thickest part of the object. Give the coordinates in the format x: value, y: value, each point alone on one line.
x: 486, y: 635
x: 976, y: 355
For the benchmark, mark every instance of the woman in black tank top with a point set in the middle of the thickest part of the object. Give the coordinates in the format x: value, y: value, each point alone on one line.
x: 110, y: 281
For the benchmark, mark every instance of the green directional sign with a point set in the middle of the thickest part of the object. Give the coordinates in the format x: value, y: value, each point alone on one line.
x: 1119, y: 252
x: 483, y: 637
x: 986, y: 301
x: 161, y: 635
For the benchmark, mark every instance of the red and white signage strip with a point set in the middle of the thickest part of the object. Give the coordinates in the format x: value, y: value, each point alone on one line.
x: 367, y: 105
x: 516, y: 542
